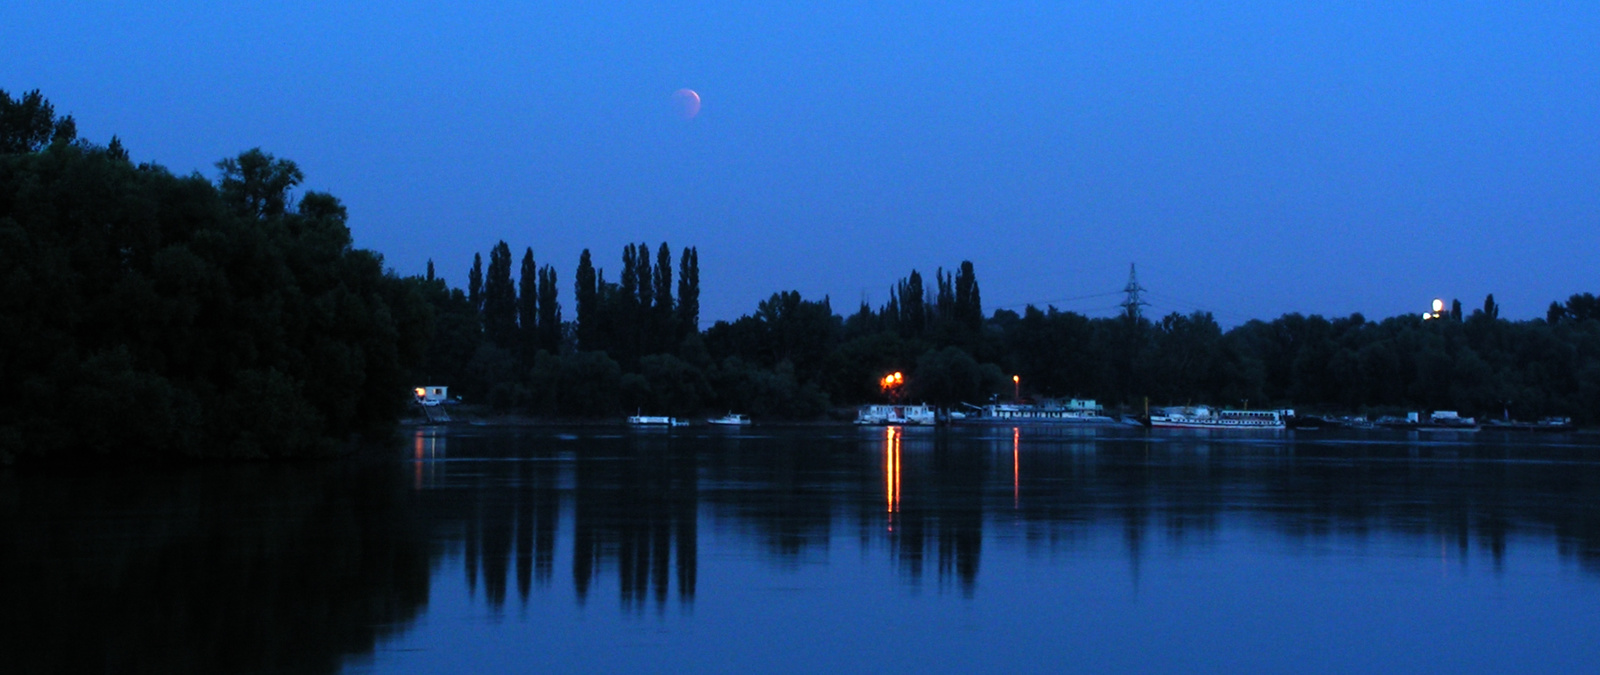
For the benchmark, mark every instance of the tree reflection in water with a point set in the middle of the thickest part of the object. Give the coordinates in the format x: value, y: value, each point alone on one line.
x: 299, y: 567
x: 638, y: 499
x: 245, y: 568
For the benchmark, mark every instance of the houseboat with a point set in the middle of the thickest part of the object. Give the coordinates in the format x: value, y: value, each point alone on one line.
x: 1204, y: 417
x: 1438, y: 420
x: 656, y: 421
x: 1072, y: 411
x: 894, y: 415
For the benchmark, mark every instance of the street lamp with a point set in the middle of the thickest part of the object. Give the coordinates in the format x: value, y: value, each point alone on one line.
x: 891, y: 385
x: 1016, y: 388
x: 1437, y: 311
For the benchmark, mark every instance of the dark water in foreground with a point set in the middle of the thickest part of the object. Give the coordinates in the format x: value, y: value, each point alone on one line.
x: 822, y: 549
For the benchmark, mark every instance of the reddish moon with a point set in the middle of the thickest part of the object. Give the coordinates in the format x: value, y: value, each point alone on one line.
x: 688, y: 102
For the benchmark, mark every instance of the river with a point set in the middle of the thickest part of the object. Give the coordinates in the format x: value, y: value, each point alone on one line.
x: 817, y: 549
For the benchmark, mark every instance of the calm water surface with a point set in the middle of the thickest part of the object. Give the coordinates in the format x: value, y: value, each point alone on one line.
x: 823, y: 549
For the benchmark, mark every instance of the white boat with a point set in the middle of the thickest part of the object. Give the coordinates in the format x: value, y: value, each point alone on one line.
x: 1438, y: 420
x: 897, y: 415
x: 1073, y: 411
x: 1204, y: 417
x: 731, y: 419
x: 656, y: 421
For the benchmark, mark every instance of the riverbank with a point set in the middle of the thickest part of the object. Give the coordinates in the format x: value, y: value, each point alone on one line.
x: 482, y: 415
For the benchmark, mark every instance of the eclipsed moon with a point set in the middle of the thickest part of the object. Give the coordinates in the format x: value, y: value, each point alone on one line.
x: 687, y: 102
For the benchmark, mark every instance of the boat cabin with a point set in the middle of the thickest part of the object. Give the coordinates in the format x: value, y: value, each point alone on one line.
x: 433, y: 395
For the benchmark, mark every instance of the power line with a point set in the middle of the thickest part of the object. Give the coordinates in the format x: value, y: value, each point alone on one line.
x: 1177, y: 303
x: 1135, y: 296
x: 1047, y: 303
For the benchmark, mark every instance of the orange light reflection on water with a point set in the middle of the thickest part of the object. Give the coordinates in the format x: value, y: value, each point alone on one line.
x: 891, y: 472
x: 1016, y: 472
x: 426, y: 446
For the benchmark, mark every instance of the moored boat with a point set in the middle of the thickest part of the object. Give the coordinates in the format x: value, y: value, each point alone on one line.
x: 732, y: 419
x: 896, y: 415
x: 1438, y: 420
x: 656, y: 421
x: 1205, y: 417
x: 1073, y: 411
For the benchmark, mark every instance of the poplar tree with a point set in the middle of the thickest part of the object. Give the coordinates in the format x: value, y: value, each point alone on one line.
x: 630, y: 280
x: 625, y: 315
x: 500, y: 299
x: 475, y: 284
x: 643, y: 277
x: 584, y: 294
x: 549, y: 312
x: 913, y: 311
x: 688, y: 292
x: 891, y: 309
x: 665, y: 334
x: 969, y: 308
x: 946, y: 298
x: 528, y: 307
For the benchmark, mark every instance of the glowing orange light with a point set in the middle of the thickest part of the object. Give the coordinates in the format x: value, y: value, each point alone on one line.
x: 421, y: 392
x: 1016, y: 379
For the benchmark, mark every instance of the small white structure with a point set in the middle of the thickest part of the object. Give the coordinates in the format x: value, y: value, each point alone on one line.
x: 656, y: 421
x: 895, y: 415
x: 732, y: 419
x: 431, y: 396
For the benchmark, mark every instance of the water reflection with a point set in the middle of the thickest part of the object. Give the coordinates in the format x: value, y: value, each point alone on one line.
x: 428, y: 446
x: 636, y: 513
x: 638, y: 501
x: 298, y: 567
x: 254, y: 568
x: 891, y: 471
x: 1016, y: 468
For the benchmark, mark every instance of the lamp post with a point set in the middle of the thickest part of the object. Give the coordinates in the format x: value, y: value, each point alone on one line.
x: 1016, y: 388
x: 891, y: 385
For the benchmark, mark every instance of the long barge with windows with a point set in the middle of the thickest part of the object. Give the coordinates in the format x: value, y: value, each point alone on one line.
x: 1205, y: 417
x: 1071, y: 411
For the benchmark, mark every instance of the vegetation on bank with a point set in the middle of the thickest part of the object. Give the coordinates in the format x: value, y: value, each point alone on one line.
x: 148, y: 314
x: 794, y: 358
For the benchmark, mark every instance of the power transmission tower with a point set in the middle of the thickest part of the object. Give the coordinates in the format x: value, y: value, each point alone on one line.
x: 1130, y: 306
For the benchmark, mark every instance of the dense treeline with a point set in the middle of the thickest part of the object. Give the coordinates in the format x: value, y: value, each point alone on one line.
x: 634, y: 347
x: 144, y: 313
x: 1479, y: 364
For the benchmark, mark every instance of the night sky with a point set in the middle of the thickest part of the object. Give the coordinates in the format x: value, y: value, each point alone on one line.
x: 1253, y: 158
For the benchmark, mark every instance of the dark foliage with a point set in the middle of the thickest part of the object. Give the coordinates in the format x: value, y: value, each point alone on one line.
x: 147, y: 314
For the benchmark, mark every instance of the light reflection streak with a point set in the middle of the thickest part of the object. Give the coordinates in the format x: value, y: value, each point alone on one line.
x: 1016, y: 472
x: 426, y: 446
x: 891, y: 471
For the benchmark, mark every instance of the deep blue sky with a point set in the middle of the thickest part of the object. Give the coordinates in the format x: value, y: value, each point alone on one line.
x: 1254, y: 158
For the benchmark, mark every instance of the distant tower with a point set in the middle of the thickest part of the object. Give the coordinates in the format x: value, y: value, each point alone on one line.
x: 1130, y: 306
